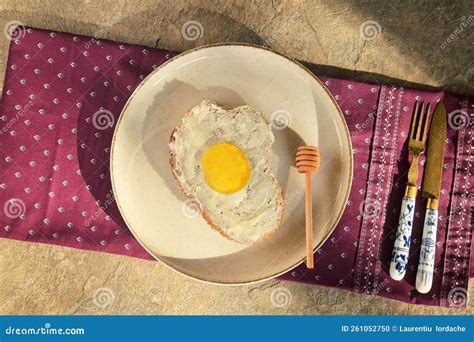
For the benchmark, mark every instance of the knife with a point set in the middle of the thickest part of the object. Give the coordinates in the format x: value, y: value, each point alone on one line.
x: 431, y: 190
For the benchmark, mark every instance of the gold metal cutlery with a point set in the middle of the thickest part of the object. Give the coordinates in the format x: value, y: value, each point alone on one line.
x: 431, y: 191
x: 416, y: 146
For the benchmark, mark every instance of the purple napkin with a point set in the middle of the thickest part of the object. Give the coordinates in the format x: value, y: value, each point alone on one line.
x: 54, y: 160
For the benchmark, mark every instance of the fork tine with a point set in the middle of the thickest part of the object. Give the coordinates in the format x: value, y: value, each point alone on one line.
x: 425, y: 123
x: 420, y: 122
x: 414, y: 120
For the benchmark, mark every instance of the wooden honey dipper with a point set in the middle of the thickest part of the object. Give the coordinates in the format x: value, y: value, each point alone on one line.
x: 307, y: 162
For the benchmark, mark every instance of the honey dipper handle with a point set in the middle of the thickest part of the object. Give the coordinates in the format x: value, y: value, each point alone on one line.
x: 309, y: 221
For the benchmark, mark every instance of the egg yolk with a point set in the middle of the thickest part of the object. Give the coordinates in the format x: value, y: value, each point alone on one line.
x: 226, y: 168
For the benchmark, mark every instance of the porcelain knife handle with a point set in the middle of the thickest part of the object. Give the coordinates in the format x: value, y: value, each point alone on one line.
x: 424, y: 275
x: 401, y: 247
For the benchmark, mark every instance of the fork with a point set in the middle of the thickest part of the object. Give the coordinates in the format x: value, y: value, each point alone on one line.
x: 416, y: 146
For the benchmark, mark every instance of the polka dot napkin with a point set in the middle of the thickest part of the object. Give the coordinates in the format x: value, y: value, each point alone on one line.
x: 55, y: 182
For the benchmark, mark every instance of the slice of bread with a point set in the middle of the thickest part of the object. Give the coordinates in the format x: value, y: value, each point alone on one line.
x: 277, y: 197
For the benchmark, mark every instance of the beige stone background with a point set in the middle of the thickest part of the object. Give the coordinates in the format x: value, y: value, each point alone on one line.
x: 410, y: 48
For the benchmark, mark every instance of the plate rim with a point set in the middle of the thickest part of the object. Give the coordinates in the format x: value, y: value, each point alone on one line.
x: 209, y: 46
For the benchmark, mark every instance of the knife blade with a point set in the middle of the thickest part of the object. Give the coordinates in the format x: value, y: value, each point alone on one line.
x: 435, y: 154
x: 431, y: 190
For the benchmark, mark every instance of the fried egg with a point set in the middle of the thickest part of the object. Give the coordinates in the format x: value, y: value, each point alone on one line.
x: 221, y: 161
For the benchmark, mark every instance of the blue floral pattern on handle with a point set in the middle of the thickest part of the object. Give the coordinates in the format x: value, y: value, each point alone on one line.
x: 401, y: 248
x: 424, y: 274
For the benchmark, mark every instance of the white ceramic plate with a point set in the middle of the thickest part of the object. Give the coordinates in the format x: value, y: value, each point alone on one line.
x: 232, y: 75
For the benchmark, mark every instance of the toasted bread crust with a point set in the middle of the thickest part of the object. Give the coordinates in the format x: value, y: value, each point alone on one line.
x: 204, y: 214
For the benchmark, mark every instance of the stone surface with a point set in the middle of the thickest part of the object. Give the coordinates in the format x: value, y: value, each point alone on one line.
x: 41, y: 279
x: 404, y: 43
